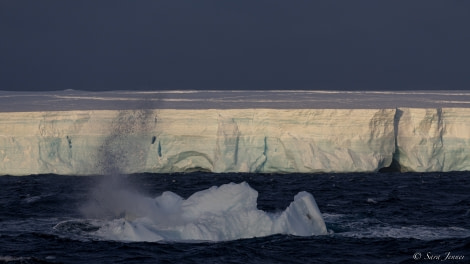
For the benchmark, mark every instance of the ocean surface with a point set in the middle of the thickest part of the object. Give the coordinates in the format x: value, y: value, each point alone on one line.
x: 371, y: 218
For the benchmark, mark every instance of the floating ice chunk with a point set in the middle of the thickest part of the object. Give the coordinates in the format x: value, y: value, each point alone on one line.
x: 222, y: 213
x: 302, y: 217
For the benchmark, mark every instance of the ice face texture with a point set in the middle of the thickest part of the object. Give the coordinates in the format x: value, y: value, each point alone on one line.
x: 244, y: 140
x: 86, y: 142
x: 433, y: 139
x: 222, y: 213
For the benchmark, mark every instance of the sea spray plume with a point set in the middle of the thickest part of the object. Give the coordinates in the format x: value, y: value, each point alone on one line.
x: 127, y: 143
x: 112, y: 198
x: 124, y: 146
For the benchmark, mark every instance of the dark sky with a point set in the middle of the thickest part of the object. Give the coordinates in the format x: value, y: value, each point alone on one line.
x: 243, y: 44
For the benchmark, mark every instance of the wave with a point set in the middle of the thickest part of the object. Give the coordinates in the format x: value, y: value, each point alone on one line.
x: 348, y: 226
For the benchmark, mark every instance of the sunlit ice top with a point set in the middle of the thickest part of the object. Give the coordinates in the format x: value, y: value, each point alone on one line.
x: 229, y: 99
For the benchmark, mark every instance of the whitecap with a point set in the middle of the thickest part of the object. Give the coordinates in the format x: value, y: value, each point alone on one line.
x: 414, y: 231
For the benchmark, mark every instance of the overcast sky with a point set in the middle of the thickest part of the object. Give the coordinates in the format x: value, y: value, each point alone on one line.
x: 240, y: 44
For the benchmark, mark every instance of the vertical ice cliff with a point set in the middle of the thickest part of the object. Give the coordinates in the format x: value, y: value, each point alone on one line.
x: 433, y: 139
x: 267, y: 140
x: 234, y: 140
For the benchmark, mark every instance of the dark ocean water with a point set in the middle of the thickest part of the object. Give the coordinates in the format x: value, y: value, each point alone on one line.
x: 371, y: 218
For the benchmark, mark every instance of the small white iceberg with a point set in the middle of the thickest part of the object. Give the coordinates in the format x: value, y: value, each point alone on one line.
x: 222, y: 213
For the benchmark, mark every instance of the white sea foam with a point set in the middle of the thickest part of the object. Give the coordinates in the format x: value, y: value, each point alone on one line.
x: 415, y: 231
x: 349, y: 226
x: 7, y: 259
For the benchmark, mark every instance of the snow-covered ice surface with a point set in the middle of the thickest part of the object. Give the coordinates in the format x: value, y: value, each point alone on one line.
x: 83, y: 133
x: 222, y: 99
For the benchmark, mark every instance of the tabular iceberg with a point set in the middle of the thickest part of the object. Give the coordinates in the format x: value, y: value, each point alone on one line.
x: 86, y: 142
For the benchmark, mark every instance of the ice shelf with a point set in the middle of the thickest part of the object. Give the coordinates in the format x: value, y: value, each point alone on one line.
x: 81, y: 141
